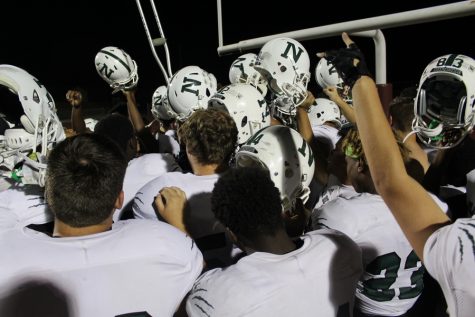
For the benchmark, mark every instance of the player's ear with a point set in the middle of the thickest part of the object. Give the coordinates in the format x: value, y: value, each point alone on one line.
x: 361, y: 166
x: 120, y: 200
x: 232, y: 236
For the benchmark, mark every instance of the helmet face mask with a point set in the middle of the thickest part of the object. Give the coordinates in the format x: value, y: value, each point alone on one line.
x: 41, y: 129
x: 284, y: 109
x: 190, y: 89
x: 116, y: 68
x: 288, y: 158
x: 445, y: 101
x: 246, y: 106
x: 285, y: 63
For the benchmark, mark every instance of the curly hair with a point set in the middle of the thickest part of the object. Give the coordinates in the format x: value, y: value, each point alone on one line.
x: 84, y: 178
x: 245, y: 200
x: 209, y: 135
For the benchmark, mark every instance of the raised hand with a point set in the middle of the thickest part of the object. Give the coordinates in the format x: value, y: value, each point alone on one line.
x: 349, y: 61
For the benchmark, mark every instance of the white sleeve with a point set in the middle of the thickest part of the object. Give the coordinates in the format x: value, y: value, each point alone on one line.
x: 449, y: 257
x: 143, y: 205
x: 440, y: 251
x: 200, y: 301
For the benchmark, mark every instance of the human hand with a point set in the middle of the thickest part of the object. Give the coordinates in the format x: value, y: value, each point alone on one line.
x: 170, y: 203
x: 74, y: 98
x: 307, y: 103
x: 333, y: 94
x: 349, y: 61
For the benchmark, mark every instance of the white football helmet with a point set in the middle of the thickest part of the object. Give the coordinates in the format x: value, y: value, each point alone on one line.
x: 324, y: 110
x: 117, y: 68
x: 190, y: 89
x: 445, y: 101
x: 242, y: 71
x: 327, y: 76
x: 41, y: 126
x: 287, y: 157
x: 285, y: 63
x: 247, y: 107
x: 161, y: 109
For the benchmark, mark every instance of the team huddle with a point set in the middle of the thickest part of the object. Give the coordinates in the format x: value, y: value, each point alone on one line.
x: 253, y: 198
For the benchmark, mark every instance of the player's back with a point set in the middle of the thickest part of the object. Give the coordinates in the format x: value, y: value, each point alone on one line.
x: 140, y: 171
x: 393, y: 275
x: 137, y: 266
x: 199, y: 220
x: 318, y: 278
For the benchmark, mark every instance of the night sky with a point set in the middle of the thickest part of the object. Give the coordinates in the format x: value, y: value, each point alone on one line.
x: 57, y: 41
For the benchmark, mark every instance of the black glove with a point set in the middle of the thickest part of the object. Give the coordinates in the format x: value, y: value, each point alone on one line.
x: 343, y: 60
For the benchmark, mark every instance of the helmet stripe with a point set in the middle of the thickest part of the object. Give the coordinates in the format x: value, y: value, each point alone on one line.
x: 118, y: 59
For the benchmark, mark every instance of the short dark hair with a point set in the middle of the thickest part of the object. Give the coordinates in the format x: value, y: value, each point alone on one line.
x: 210, y: 135
x: 246, y: 201
x: 84, y: 177
x: 118, y: 128
x: 401, y: 110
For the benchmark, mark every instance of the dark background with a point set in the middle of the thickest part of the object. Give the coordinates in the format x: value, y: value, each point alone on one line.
x: 57, y: 41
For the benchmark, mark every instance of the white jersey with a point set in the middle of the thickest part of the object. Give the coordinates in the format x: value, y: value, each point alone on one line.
x: 23, y: 205
x: 140, y: 171
x: 318, y: 278
x: 333, y: 192
x: 137, y: 266
x: 199, y: 219
x: 392, y: 280
x: 449, y: 257
x: 326, y: 132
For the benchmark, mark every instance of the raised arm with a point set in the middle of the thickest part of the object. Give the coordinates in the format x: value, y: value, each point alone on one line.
x: 134, y: 114
x: 75, y: 98
x: 345, y: 108
x: 415, y: 211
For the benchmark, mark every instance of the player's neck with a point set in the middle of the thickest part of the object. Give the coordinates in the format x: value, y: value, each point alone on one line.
x: 280, y: 243
x: 63, y: 230
x: 201, y: 170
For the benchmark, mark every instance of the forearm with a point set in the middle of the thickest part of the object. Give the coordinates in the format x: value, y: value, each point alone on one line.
x: 304, y: 126
x: 134, y: 114
x: 415, y: 211
x: 77, y: 120
x: 346, y: 110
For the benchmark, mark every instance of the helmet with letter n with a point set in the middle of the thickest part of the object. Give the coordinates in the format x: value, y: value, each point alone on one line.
x: 327, y: 76
x: 246, y: 106
x: 38, y: 128
x: 242, y: 71
x: 285, y: 63
x: 116, y: 68
x: 190, y: 89
x: 445, y: 101
x: 161, y: 109
x: 288, y: 158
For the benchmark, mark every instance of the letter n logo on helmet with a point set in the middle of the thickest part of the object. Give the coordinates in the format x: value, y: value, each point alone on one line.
x: 296, y: 53
x: 188, y: 83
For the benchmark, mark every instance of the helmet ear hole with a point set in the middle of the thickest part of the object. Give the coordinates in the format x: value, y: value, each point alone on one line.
x: 27, y: 124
